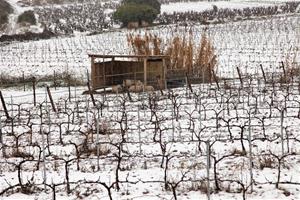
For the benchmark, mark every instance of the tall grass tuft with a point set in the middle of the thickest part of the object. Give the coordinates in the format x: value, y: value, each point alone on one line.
x: 184, y: 52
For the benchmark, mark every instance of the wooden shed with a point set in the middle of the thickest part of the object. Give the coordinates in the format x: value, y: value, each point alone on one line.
x: 109, y: 70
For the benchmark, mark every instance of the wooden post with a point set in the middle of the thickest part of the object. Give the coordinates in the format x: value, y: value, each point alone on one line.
x: 164, y: 71
x: 145, y: 71
x: 51, y: 100
x: 112, y: 69
x: 69, y: 87
x: 160, y: 85
x: 91, y: 93
x: 103, y: 71
x: 43, y: 147
x: 250, y: 151
x: 207, y: 168
x: 263, y: 73
x: 33, y: 88
x: 139, y: 129
x: 216, y: 79
x: 98, y: 141
x: 281, y: 130
x: 1, y: 140
x: 240, y: 76
x: 87, y: 76
x: 188, y: 82
x: 93, y: 72
x: 283, y: 68
x: 4, y: 106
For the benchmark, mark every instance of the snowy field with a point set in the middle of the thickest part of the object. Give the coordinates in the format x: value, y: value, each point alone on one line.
x: 222, y: 141
x: 155, y: 146
x: 245, y: 44
x: 203, y: 5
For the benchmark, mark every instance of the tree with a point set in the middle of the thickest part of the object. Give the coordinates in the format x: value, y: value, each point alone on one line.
x: 137, y: 11
x: 5, y: 10
x: 153, y: 3
x: 27, y: 17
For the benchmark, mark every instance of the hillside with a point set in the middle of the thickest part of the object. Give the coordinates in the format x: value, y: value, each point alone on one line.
x: 5, y: 10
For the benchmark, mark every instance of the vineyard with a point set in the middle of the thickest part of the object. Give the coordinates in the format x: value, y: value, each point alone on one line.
x: 232, y: 139
x: 235, y: 136
x: 244, y: 44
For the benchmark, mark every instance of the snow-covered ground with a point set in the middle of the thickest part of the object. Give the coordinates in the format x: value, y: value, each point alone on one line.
x: 160, y: 138
x: 245, y: 44
x: 164, y: 130
x: 203, y: 5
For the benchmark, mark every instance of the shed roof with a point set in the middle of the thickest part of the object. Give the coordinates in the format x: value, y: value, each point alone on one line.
x: 129, y: 56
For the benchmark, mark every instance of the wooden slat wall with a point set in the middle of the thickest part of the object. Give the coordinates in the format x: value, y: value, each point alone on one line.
x: 117, y: 71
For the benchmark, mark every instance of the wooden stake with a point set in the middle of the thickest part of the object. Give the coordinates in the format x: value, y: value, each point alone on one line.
x: 4, y: 106
x: 51, y: 100
x: 250, y: 151
x: 263, y: 72
x: 283, y: 68
x: 216, y: 79
x: 145, y: 71
x: 33, y: 88
x: 91, y: 93
x: 188, y: 82
x: 69, y: 88
x: 207, y: 168
x: 240, y: 76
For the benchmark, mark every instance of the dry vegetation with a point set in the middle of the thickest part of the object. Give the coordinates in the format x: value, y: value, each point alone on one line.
x: 185, y: 53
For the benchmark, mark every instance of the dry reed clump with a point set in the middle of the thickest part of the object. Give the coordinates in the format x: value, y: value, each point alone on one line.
x: 291, y: 68
x: 206, y: 59
x: 181, y: 50
x: 147, y: 45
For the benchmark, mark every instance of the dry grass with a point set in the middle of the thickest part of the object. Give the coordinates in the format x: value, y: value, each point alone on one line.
x: 92, y: 150
x: 266, y: 162
x: 144, y: 45
x: 206, y: 59
x: 181, y: 50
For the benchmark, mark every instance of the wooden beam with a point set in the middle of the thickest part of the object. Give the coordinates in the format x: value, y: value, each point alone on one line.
x: 103, y: 71
x: 93, y: 72
x: 164, y: 73
x: 145, y: 71
x: 129, y: 56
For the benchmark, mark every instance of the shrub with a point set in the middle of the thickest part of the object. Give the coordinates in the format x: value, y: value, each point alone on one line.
x: 27, y: 17
x: 3, y: 19
x: 266, y: 162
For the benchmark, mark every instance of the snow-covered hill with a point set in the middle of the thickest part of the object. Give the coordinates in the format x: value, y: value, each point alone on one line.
x: 13, y: 27
x: 96, y: 16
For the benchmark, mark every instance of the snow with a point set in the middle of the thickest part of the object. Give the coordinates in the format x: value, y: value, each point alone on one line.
x: 244, y: 44
x: 179, y: 143
x: 200, y: 6
x: 202, y: 116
